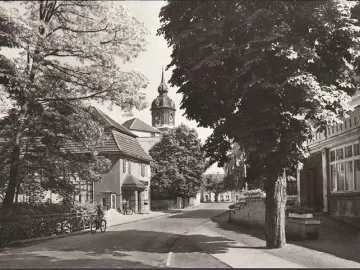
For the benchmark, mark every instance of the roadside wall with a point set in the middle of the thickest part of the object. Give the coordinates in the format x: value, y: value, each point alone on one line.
x: 163, y: 204
x: 251, y: 212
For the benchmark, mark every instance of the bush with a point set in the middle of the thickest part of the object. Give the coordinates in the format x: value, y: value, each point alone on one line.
x: 27, y: 220
x: 232, y: 206
x: 297, y: 209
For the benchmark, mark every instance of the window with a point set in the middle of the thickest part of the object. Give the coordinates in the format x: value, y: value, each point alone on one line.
x: 227, y: 197
x: 90, y: 192
x: 340, y: 176
x: 80, y: 198
x: 124, y: 165
x: 142, y: 169
x: 129, y: 163
x: 350, y: 123
x: 345, y: 168
x: 345, y: 122
x: 356, y: 149
x: 357, y: 174
x: 339, y: 154
x: 348, y: 151
x: 332, y: 155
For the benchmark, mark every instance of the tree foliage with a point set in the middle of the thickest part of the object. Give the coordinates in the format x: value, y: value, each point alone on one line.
x: 264, y: 74
x: 179, y: 163
x: 234, y: 168
x: 67, y: 53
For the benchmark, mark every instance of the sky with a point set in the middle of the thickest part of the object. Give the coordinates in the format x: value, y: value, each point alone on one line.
x: 150, y: 64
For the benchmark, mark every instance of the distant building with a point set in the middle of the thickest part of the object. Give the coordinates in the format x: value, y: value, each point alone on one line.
x: 163, y: 108
x: 163, y: 118
x: 128, y: 178
x: 210, y: 196
x: 147, y: 135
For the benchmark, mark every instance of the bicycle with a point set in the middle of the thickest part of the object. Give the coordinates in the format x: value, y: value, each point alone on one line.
x: 128, y: 211
x: 95, y: 224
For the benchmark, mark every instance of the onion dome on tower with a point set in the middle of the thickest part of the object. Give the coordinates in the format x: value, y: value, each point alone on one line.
x: 163, y: 108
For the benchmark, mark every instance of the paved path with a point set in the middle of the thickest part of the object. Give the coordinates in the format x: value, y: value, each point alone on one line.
x: 153, y: 242
x: 186, y: 239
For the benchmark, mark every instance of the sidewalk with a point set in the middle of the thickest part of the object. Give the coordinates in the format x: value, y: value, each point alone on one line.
x: 245, y: 247
x: 112, y: 218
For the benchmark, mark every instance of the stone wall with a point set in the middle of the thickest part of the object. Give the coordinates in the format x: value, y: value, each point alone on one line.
x: 251, y: 211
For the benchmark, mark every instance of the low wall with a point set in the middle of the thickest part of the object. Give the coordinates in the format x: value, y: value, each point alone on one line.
x: 178, y: 203
x: 251, y: 212
x: 163, y: 204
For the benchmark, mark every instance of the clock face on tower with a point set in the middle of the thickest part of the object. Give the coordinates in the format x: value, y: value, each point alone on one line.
x: 157, y: 102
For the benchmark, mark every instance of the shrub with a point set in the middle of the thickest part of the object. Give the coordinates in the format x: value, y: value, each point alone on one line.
x: 297, y: 209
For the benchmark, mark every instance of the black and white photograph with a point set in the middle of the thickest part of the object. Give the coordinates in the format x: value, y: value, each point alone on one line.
x: 180, y: 134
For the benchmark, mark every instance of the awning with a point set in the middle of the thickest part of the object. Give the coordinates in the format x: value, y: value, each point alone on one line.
x: 132, y: 183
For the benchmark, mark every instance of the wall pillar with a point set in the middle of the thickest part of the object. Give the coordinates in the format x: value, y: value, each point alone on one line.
x: 324, y: 166
x: 136, y: 201
x: 298, y: 186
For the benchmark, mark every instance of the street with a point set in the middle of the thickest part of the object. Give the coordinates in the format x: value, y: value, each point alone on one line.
x: 172, y: 240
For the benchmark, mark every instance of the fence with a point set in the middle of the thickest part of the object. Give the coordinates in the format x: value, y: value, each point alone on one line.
x: 26, y: 227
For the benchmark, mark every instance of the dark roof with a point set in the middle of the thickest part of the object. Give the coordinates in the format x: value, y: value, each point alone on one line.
x: 129, y: 146
x: 137, y: 124
x: 114, y: 141
x: 131, y: 182
x: 163, y: 101
x: 109, y: 122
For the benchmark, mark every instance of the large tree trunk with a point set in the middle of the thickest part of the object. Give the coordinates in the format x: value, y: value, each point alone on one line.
x: 275, y: 211
x: 15, y: 160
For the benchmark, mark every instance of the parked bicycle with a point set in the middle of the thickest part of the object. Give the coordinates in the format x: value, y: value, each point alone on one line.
x: 98, y: 224
x: 127, y: 210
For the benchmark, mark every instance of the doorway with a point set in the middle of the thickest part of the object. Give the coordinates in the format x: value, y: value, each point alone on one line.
x: 113, y: 201
x: 314, y: 190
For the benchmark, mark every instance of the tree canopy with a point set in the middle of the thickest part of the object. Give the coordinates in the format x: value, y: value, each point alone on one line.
x: 179, y: 163
x: 66, y: 59
x: 264, y: 74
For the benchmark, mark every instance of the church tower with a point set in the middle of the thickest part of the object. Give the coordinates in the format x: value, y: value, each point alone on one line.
x: 163, y: 108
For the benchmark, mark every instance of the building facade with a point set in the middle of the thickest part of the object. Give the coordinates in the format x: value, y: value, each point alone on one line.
x: 329, y: 180
x: 163, y: 108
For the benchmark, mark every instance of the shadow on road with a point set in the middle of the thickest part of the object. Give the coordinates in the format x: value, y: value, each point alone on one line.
x: 341, y: 241
x: 128, y: 248
x: 201, y: 213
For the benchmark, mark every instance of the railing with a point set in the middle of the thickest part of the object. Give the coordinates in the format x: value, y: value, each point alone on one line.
x: 349, y: 123
x: 26, y: 227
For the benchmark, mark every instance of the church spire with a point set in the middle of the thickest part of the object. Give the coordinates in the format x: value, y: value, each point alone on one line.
x: 162, y: 89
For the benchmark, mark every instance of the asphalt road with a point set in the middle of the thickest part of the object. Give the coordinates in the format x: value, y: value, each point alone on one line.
x: 166, y: 241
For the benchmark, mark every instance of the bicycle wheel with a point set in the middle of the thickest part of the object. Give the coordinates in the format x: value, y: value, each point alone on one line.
x: 103, y: 225
x: 93, y: 226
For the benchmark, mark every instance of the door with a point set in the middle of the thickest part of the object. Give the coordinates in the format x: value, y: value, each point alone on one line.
x: 311, y: 184
x: 113, y: 201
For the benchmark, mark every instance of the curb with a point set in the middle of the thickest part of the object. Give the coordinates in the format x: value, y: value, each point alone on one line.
x: 18, y: 243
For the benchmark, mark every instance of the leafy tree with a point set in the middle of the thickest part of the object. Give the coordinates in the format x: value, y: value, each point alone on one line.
x: 214, y: 185
x: 266, y: 75
x: 178, y: 164
x: 66, y: 59
x: 235, y: 169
